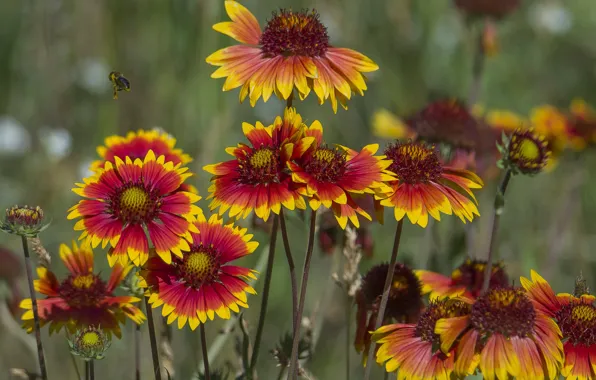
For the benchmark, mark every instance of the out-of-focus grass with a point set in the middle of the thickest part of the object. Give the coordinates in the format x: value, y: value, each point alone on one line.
x: 55, y: 56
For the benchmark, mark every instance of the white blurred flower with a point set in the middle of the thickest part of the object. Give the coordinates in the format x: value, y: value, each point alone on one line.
x: 56, y: 141
x: 551, y: 17
x: 93, y: 75
x: 14, y: 138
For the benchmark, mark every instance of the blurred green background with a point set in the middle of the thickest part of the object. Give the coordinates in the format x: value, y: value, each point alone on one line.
x: 56, y: 106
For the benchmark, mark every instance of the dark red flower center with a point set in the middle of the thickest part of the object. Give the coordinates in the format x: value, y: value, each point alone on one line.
x: 327, y: 165
x: 261, y: 166
x: 200, y: 266
x: 291, y: 33
x: 414, y: 162
x: 505, y: 311
x: 578, y: 323
x: 405, y: 300
x: 25, y: 216
x: 528, y: 151
x: 82, y: 290
x: 471, y: 275
x: 445, y: 308
x: 134, y: 204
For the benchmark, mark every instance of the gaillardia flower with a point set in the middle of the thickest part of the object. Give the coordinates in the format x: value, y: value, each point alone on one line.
x: 386, y: 125
x: 137, y: 145
x: 524, y: 152
x: 466, y: 280
x: 293, y: 51
x: 129, y: 196
x: 447, y: 122
x: 404, y: 304
x: 504, y: 335
x: 82, y: 299
x: 424, y: 186
x: 413, y: 348
x: 200, y: 284
x: 576, y: 316
x: 328, y: 175
x: 90, y: 343
x: 24, y: 221
x: 257, y: 178
x: 581, y: 125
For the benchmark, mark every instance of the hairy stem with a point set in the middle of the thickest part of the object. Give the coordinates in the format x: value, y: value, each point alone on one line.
x: 37, y: 328
x: 293, y: 372
x: 385, y: 296
x: 492, y: 242
x: 154, y: 353
x: 284, y: 235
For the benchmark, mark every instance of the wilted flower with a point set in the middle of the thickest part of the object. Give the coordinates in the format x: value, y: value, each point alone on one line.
x: 90, y: 343
x: 24, y: 221
x: 283, y: 349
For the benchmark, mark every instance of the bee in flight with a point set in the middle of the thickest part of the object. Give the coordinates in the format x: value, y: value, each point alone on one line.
x: 119, y: 82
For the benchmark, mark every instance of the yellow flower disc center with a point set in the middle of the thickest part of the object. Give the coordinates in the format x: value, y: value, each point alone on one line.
x: 135, y: 205
x: 91, y: 338
x: 584, y: 313
x: 529, y: 149
x: 200, y: 267
x: 506, y: 311
x: 262, y: 158
x: 83, y: 282
x: 414, y: 162
x: 327, y: 165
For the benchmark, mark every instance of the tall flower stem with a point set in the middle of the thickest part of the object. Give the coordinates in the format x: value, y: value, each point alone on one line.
x: 91, y: 369
x: 154, y: 353
x: 478, y: 64
x: 137, y: 352
x: 40, y: 356
x: 492, y: 242
x: 76, y: 367
x: 284, y: 235
x: 266, y: 286
x: 205, y: 355
x: 293, y: 372
x: 386, y: 289
x: 348, y: 335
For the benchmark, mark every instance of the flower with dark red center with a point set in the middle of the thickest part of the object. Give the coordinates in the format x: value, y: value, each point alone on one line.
x: 491, y: 8
x: 446, y: 122
x: 257, y: 178
x: 524, y: 152
x: 329, y: 175
x: 404, y: 304
x: 24, y: 221
x: 82, y: 299
x: 504, y: 335
x: 413, y: 348
x: 576, y: 317
x: 424, y: 186
x: 201, y: 284
x: 293, y: 51
x: 131, y: 196
x: 466, y: 280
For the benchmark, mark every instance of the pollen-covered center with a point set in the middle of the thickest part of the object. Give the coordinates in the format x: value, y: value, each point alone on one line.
x: 260, y: 167
x: 405, y: 298
x: 414, y: 162
x: 578, y: 323
x: 291, y: 33
x: 446, y: 308
x: 200, y: 266
x: 134, y: 204
x: 506, y: 311
x: 528, y: 151
x: 471, y: 275
x: 327, y: 165
x: 82, y: 290
x: 91, y: 339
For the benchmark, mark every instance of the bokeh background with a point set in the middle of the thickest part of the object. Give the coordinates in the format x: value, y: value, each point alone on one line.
x: 56, y: 106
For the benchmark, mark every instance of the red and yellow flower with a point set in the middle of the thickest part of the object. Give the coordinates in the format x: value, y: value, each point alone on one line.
x: 466, y: 280
x: 292, y: 52
x: 82, y: 299
x: 424, y: 186
x: 576, y: 317
x: 257, y: 178
x: 504, y: 336
x: 403, y: 306
x: 201, y: 284
x: 327, y: 176
x: 581, y: 125
x: 413, y: 348
x: 125, y: 198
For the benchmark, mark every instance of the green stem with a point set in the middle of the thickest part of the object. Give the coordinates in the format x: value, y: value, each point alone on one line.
x: 76, y: 367
x: 286, y: 240
x: 37, y: 328
x: 498, y: 210
x: 293, y: 372
x: 205, y: 355
x: 91, y: 369
x: 348, y: 335
x: 137, y: 352
x: 266, y: 286
x: 386, y: 289
x: 280, y: 375
x: 154, y: 353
